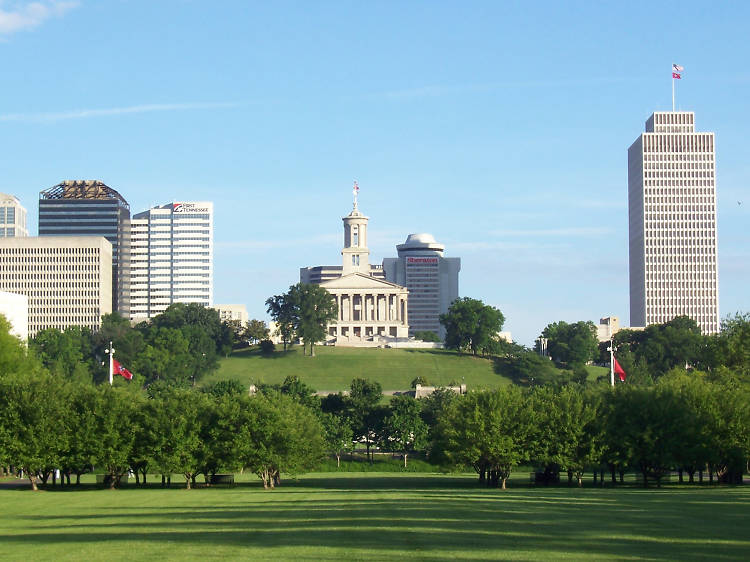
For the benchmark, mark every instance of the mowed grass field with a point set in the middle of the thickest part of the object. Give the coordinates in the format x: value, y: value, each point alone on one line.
x: 333, y: 368
x: 377, y: 517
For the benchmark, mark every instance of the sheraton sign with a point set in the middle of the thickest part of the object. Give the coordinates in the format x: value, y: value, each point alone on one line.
x: 432, y: 261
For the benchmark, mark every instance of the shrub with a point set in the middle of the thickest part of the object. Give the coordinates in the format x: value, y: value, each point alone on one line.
x: 267, y: 347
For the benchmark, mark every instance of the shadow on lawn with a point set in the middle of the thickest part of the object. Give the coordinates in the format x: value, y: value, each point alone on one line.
x: 434, y: 523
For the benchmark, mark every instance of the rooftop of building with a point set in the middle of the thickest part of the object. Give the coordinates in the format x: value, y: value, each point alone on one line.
x: 7, y: 198
x: 420, y: 242
x: 83, y: 189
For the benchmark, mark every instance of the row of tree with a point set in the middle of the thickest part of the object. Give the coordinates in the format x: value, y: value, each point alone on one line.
x: 181, y: 345
x: 684, y: 422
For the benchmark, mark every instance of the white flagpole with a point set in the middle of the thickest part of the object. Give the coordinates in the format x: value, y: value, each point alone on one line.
x: 612, y: 360
x: 672, y: 92
x: 111, y: 352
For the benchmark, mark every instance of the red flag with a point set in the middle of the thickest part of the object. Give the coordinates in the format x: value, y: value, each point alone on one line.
x: 619, y: 371
x: 118, y: 369
x: 675, y: 75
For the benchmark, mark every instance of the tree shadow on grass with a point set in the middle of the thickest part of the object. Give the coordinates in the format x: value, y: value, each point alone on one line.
x: 436, y: 524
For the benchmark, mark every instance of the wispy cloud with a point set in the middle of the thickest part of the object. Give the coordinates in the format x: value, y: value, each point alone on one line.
x: 111, y: 111
x: 22, y: 16
x: 575, y: 231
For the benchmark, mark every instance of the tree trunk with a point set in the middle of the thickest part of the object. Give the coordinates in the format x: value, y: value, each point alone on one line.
x: 570, y: 477
x: 312, y: 350
x: 188, y: 480
x: 405, y: 455
x: 338, y: 460
x: 112, y: 481
x: 504, y: 479
x: 680, y: 476
x: 32, y: 479
x: 595, y: 477
x: 78, y: 478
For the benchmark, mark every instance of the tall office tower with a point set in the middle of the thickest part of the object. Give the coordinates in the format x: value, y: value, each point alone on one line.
x: 67, y: 279
x: 12, y: 217
x: 432, y: 280
x: 172, y: 252
x: 672, y: 214
x: 91, y: 208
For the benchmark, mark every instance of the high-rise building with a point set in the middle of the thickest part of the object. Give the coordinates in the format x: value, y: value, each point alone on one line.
x: 67, y: 279
x: 672, y: 215
x: 91, y: 208
x: 12, y: 217
x: 432, y: 281
x: 172, y: 252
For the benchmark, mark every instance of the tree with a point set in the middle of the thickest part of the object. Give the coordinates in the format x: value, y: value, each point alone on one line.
x: 489, y: 431
x: 338, y: 435
x: 427, y: 335
x: 529, y: 368
x: 68, y: 354
x: 282, y: 310
x: 256, y: 331
x: 364, y: 397
x: 471, y: 324
x: 404, y: 429
x: 31, y: 407
x: 277, y: 434
x: 314, y: 308
x: 572, y: 344
x: 116, y: 434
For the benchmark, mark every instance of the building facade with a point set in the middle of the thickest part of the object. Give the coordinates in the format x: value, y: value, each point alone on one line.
x: 232, y: 313
x: 431, y: 278
x: 672, y: 223
x: 371, y: 310
x: 15, y: 308
x: 91, y: 208
x: 12, y: 217
x: 172, y: 254
x: 67, y: 279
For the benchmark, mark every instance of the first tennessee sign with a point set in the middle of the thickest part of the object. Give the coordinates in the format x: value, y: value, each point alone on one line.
x: 188, y: 208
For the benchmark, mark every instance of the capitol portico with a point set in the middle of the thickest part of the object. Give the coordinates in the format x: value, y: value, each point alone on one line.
x: 369, y: 309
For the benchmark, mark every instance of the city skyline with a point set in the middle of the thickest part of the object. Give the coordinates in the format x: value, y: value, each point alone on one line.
x: 501, y: 130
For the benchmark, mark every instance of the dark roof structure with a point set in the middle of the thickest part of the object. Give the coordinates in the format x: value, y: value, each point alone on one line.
x: 82, y: 189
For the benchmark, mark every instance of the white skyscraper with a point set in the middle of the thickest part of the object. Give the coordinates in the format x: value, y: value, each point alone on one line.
x: 172, y: 252
x: 672, y: 215
x: 12, y: 217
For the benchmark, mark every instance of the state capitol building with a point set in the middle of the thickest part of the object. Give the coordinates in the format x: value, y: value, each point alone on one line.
x: 386, y: 304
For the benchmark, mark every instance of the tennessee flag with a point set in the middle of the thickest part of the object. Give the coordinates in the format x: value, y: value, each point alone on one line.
x: 118, y: 369
x: 619, y: 371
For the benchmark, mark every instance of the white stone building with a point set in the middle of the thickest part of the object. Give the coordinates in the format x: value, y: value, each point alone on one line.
x: 15, y: 308
x: 67, y: 279
x: 371, y: 310
x: 12, y: 217
x: 672, y: 223
x: 431, y: 278
x: 232, y: 313
x: 172, y: 252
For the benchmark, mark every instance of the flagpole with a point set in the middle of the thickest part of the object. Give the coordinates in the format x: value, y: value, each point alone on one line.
x: 111, y: 352
x: 612, y: 360
x: 673, y: 93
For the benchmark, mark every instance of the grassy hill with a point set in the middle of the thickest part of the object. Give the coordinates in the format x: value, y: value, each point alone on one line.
x: 333, y: 368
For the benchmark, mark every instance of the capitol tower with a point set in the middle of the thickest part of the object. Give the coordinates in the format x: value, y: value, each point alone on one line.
x: 672, y: 223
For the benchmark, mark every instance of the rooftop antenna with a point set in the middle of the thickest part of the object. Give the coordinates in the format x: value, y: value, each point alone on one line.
x: 355, y: 191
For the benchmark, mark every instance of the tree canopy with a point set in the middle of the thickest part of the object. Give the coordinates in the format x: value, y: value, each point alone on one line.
x: 471, y: 324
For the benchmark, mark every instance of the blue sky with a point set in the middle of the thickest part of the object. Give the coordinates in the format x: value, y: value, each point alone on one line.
x: 499, y: 127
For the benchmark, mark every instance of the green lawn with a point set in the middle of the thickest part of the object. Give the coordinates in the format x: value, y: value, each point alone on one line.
x: 377, y: 517
x: 333, y: 368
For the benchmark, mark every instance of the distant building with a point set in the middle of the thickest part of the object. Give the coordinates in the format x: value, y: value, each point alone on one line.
x: 172, y: 251
x: 371, y: 310
x: 232, y: 313
x: 67, y: 279
x: 432, y: 281
x: 12, y: 217
x: 607, y: 328
x: 672, y: 215
x: 91, y: 208
x: 15, y: 308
